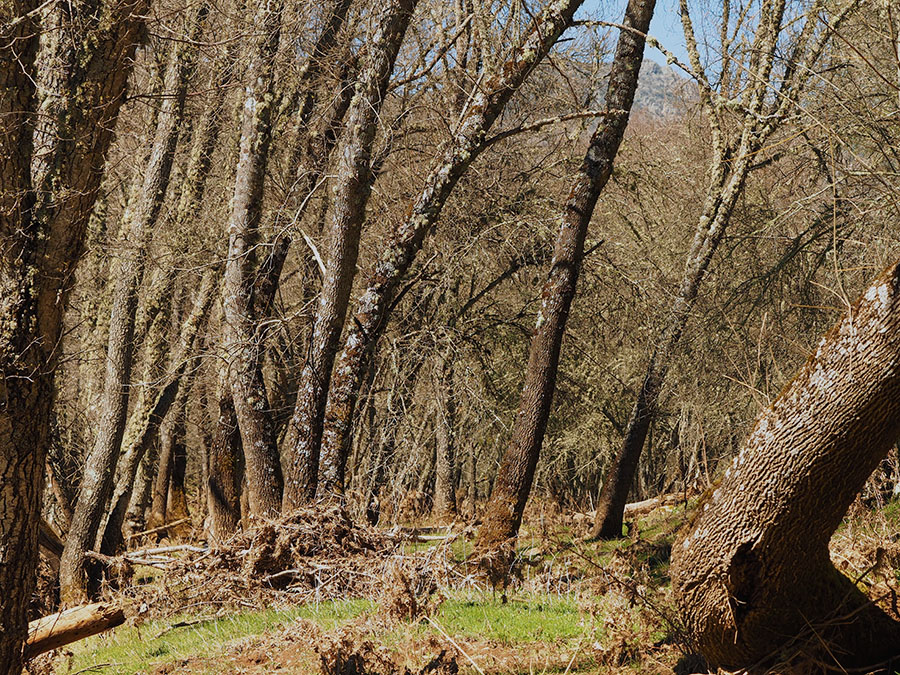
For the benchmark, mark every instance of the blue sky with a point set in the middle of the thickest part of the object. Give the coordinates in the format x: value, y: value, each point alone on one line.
x: 665, y: 27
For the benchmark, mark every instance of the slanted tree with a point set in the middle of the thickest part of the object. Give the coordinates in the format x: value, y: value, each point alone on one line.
x: 752, y: 575
x: 503, y: 514
x: 259, y: 441
x: 751, y: 75
x: 372, y: 310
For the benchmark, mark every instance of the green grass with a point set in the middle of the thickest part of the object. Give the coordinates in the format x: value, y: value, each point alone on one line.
x: 475, y: 615
x: 131, y: 649
x: 520, y: 620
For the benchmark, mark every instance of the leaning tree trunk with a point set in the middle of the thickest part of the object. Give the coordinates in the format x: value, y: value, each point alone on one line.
x: 351, y: 194
x: 145, y: 419
x: 752, y: 575
x: 512, y: 486
x: 732, y: 164
x: 42, y: 227
x: 373, y: 306
x: 256, y: 425
x: 97, y: 482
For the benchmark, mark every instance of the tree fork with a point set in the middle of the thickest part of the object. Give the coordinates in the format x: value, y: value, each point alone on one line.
x: 752, y: 574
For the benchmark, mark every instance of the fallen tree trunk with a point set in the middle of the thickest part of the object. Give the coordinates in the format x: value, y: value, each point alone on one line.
x: 71, y: 625
x: 751, y: 575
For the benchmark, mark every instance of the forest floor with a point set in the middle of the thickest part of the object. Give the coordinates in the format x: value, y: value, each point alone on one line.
x: 361, y: 601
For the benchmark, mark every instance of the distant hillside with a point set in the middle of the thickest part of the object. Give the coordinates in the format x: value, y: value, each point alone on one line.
x: 661, y: 90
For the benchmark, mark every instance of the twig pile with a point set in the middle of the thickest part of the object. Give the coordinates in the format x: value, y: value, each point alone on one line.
x: 314, y: 554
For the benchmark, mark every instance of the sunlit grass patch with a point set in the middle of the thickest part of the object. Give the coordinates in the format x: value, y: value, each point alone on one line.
x: 133, y: 648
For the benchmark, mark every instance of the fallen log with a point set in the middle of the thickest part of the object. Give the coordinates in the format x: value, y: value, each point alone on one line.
x: 71, y: 625
x: 50, y: 542
x: 639, y: 508
x: 648, y: 505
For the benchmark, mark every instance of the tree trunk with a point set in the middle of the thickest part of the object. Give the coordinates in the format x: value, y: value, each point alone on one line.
x: 372, y: 308
x: 135, y: 519
x: 42, y: 224
x: 512, y: 486
x: 445, y: 441
x: 97, y: 482
x: 351, y: 193
x: 255, y: 423
x: 159, y: 504
x: 71, y: 625
x: 752, y: 574
x: 225, y: 471
x: 176, y: 504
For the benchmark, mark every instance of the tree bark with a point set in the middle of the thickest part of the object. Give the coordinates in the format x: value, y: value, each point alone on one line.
x: 71, y: 625
x: 176, y: 504
x: 135, y: 519
x: 225, y: 471
x: 372, y: 308
x: 445, y: 441
x: 752, y: 575
x: 97, y: 482
x: 159, y: 504
x: 503, y: 514
x: 351, y: 194
x: 145, y: 420
x: 42, y: 225
x: 255, y: 423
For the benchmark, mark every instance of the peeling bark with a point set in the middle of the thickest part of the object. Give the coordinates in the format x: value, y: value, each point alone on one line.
x: 752, y: 575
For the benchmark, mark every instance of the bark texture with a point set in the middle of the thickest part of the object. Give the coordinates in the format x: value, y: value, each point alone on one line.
x: 43, y: 217
x: 225, y: 471
x: 371, y: 311
x: 503, y: 514
x: 351, y: 194
x: 141, y: 216
x: 71, y: 625
x: 256, y: 425
x: 445, y: 441
x: 752, y: 574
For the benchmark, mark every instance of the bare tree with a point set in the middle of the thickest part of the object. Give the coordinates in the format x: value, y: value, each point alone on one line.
x: 752, y: 573
x: 351, y: 193
x: 140, y: 218
x: 733, y: 152
x: 373, y: 306
x: 503, y: 514
x: 263, y: 468
x: 146, y: 419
